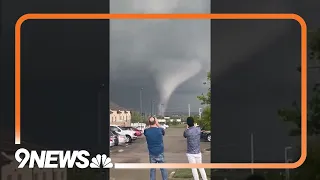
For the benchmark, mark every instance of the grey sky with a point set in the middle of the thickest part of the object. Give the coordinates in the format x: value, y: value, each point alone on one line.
x: 148, y: 53
x: 161, y: 56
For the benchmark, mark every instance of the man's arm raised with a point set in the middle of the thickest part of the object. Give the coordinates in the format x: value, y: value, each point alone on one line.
x: 185, y: 134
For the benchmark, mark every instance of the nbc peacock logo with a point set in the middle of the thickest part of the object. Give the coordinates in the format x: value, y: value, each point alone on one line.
x: 101, y: 160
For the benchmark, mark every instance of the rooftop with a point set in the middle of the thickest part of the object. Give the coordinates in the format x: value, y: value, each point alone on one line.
x: 114, y: 106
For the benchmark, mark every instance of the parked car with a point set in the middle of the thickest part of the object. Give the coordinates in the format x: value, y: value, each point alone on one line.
x: 206, y: 135
x: 111, y: 143
x: 141, y: 128
x: 121, y: 139
x: 129, y: 134
x: 112, y: 140
x: 114, y: 137
x: 137, y: 131
x: 163, y: 126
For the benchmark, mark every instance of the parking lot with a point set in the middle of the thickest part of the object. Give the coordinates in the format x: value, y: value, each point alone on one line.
x: 137, y: 152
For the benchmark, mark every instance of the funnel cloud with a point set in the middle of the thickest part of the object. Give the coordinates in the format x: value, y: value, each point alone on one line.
x: 168, y: 52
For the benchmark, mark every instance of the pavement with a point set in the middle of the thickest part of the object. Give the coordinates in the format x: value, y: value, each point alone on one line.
x: 137, y: 152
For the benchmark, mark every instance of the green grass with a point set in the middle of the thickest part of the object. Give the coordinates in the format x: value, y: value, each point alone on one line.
x: 187, y: 173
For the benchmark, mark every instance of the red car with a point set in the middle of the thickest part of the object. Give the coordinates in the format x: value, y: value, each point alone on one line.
x: 137, y: 131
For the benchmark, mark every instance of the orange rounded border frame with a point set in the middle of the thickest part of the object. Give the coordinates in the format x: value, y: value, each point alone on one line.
x: 82, y: 16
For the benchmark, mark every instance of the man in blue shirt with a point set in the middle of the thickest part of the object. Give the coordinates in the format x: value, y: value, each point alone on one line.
x: 194, y: 155
x: 154, y: 135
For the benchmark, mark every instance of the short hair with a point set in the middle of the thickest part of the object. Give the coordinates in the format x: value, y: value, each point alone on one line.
x: 255, y: 177
x: 190, y: 121
x: 152, y: 120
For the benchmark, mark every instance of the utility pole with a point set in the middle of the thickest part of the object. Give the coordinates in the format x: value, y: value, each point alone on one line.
x: 200, y: 113
x: 151, y: 108
x: 141, y: 101
x: 152, y: 105
x: 189, y: 111
x: 286, y: 149
x: 252, y: 151
x: 162, y: 110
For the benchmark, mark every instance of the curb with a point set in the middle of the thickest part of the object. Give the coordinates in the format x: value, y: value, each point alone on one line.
x: 171, y: 174
x: 205, y: 151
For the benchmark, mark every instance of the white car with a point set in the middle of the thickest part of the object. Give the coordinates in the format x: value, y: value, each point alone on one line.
x: 112, y: 143
x: 122, y: 139
x: 130, y: 136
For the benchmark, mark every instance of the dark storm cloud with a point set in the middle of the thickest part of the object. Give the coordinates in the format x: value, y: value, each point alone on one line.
x: 169, y: 52
x: 160, y: 48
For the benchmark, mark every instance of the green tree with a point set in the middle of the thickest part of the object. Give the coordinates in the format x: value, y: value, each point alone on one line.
x: 314, y: 44
x: 136, y: 117
x: 293, y: 114
x: 310, y: 169
x: 174, y: 122
x: 205, y: 121
x: 206, y: 98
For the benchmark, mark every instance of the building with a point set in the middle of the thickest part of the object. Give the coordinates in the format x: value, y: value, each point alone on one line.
x: 8, y: 164
x: 119, y: 115
x: 162, y: 120
x: 169, y: 119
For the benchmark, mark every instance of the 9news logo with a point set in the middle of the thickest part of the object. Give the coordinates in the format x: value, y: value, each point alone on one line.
x: 61, y: 159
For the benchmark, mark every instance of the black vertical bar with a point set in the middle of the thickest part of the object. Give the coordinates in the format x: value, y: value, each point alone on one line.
x: 99, y: 116
x: 104, y: 108
x: 102, y: 143
x: 1, y: 16
x: 105, y: 121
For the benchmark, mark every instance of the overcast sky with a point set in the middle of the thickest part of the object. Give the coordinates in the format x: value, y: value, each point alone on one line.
x: 168, y: 58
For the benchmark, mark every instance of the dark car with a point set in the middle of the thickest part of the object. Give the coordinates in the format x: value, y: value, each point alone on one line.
x: 115, y: 137
x: 205, y: 135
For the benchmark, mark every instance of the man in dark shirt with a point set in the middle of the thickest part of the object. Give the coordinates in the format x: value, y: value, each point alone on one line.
x: 194, y: 155
x: 154, y: 135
